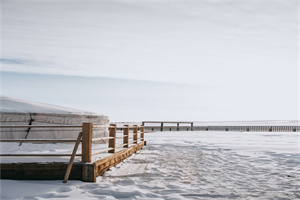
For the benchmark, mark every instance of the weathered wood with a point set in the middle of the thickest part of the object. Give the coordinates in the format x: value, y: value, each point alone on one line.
x: 126, y: 136
x: 111, y: 161
x: 41, y: 155
x: 112, y: 141
x: 142, y: 130
x: 87, y: 134
x: 40, y: 126
x: 37, y: 140
x: 102, y: 151
x: 135, y: 134
x: 72, y: 158
x: 101, y: 139
x: 121, y: 145
x: 39, y: 171
x: 88, y: 172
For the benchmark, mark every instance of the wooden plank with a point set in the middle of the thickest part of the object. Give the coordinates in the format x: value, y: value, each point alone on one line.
x: 87, y: 134
x: 44, y: 155
x: 121, y: 145
x: 112, y: 142
x: 102, y: 151
x: 101, y: 139
x: 104, y: 164
x: 39, y: 171
x: 36, y: 140
x: 40, y: 126
x: 72, y: 158
x: 99, y: 126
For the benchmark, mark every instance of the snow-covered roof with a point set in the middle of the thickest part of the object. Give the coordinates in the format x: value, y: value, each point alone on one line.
x: 12, y: 105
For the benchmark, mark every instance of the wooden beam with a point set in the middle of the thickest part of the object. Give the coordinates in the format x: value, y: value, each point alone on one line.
x: 135, y: 134
x: 87, y: 134
x: 72, y: 158
x: 112, y: 141
x: 39, y: 171
x: 36, y: 140
x: 142, y: 130
x: 40, y: 126
x: 38, y: 155
x: 104, y: 164
x: 126, y: 136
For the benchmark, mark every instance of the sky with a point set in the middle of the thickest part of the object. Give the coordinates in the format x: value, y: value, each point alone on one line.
x: 155, y: 60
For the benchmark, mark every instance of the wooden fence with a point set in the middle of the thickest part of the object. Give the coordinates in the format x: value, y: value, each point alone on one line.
x: 85, y: 138
x: 225, y: 128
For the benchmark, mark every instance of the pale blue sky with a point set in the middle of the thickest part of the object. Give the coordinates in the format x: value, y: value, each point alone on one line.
x: 210, y: 60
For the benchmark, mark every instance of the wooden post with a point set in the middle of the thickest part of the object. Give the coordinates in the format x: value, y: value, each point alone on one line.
x: 89, y: 172
x: 142, y: 129
x: 177, y: 126
x: 126, y: 136
x: 135, y: 134
x: 72, y: 158
x: 112, y: 141
x: 192, y: 126
x: 162, y: 126
x: 87, y: 134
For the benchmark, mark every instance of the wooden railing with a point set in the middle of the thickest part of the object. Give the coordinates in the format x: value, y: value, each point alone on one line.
x: 85, y: 137
x: 40, y: 140
x: 246, y: 128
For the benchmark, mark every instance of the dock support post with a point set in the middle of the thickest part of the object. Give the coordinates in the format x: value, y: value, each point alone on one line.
x: 112, y: 141
x: 192, y: 126
x: 87, y: 134
x: 162, y: 126
x: 177, y: 126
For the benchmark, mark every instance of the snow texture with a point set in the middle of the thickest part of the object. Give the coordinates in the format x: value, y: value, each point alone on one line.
x: 188, y: 165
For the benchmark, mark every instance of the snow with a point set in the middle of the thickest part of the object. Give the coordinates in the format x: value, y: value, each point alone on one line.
x: 188, y: 165
x: 12, y: 105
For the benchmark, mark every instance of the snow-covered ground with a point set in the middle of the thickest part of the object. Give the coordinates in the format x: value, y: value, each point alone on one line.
x: 188, y: 165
